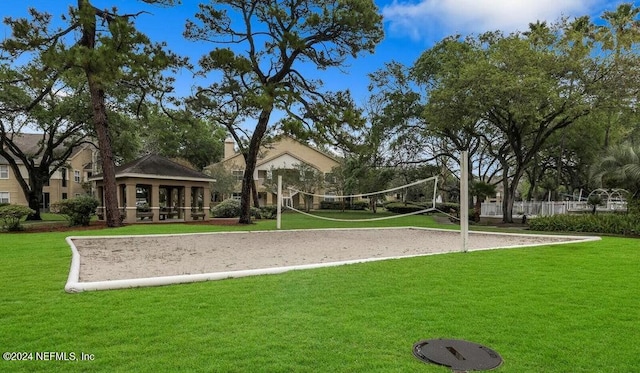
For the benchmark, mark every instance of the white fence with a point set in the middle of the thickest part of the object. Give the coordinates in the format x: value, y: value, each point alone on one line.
x: 544, y: 208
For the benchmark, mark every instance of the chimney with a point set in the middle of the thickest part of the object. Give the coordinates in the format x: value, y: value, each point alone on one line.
x: 229, y: 148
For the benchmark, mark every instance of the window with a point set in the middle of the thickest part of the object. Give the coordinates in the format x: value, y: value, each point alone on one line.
x: 63, y: 174
x: 4, y: 197
x: 329, y: 197
x: 76, y: 176
x: 46, y: 200
x: 4, y: 171
x: 329, y: 177
x: 65, y: 196
x: 237, y: 196
x: 238, y: 174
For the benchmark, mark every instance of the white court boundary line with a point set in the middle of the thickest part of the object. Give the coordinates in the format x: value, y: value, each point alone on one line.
x: 74, y: 285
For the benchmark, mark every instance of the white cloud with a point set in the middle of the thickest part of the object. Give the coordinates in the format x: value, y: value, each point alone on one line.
x: 446, y: 17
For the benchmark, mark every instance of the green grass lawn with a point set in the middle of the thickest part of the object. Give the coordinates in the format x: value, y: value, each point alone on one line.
x: 566, y: 308
x: 48, y: 217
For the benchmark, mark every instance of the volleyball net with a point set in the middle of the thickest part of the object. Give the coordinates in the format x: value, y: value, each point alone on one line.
x: 418, y: 197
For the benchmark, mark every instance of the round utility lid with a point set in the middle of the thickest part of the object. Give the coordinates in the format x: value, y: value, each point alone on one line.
x: 457, y: 354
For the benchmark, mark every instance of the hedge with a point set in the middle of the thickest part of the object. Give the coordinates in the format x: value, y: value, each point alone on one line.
x: 620, y: 224
x: 337, y: 205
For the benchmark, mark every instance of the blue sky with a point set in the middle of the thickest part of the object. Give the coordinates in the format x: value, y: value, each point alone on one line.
x: 411, y: 27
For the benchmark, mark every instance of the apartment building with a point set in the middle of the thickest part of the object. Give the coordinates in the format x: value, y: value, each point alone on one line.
x: 285, y: 153
x: 66, y: 182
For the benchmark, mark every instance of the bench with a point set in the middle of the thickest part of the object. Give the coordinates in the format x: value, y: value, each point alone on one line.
x: 144, y: 214
x: 100, y: 214
x: 166, y: 213
x: 197, y: 215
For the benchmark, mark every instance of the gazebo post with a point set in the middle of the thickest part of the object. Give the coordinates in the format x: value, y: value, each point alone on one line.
x: 100, y: 194
x: 177, y: 201
x: 206, y: 199
x: 122, y: 201
x: 155, y: 200
x: 188, y: 189
x: 120, y: 195
x: 130, y: 207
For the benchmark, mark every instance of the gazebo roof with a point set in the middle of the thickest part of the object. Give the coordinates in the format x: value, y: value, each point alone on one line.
x: 154, y: 166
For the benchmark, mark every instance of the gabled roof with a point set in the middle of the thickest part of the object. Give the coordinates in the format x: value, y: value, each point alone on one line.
x: 157, y: 167
x: 269, y: 154
x: 280, y: 155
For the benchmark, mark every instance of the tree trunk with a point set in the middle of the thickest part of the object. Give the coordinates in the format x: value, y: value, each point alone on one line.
x: 506, y: 211
x: 100, y: 121
x: 308, y: 203
x: 251, y: 159
x: 534, y: 184
x: 35, y: 201
x: 34, y: 194
x: 112, y: 213
x: 509, y: 196
x: 254, y: 194
x: 477, y: 207
x: 507, y: 207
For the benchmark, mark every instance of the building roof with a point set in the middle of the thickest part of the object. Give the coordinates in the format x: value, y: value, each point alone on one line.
x: 157, y: 167
x: 267, y: 152
x: 31, y: 143
x: 4, y: 160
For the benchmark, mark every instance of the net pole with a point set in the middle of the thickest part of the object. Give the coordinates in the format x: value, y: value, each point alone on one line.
x: 279, y: 202
x: 464, y: 200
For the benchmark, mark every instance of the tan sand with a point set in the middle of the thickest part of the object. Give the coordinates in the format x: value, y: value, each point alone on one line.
x: 133, y: 257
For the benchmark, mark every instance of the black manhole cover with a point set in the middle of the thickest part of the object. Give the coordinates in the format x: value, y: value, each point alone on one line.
x: 457, y: 354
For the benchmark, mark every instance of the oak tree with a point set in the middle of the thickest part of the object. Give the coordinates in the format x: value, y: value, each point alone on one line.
x: 120, y: 65
x: 41, y: 126
x: 514, y: 91
x: 262, y: 53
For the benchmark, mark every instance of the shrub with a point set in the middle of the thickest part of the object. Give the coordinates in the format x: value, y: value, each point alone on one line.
x: 337, y: 205
x: 78, y: 211
x: 622, y: 224
x: 331, y: 205
x: 269, y: 212
x: 359, y: 205
x: 230, y: 208
x: 594, y: 201
x: 443, y: 206
x: 11, y: 216
x: 447, y: 206
x: 404, y: 208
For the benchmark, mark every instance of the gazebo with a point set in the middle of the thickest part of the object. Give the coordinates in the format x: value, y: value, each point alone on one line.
x: 154, y: 188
